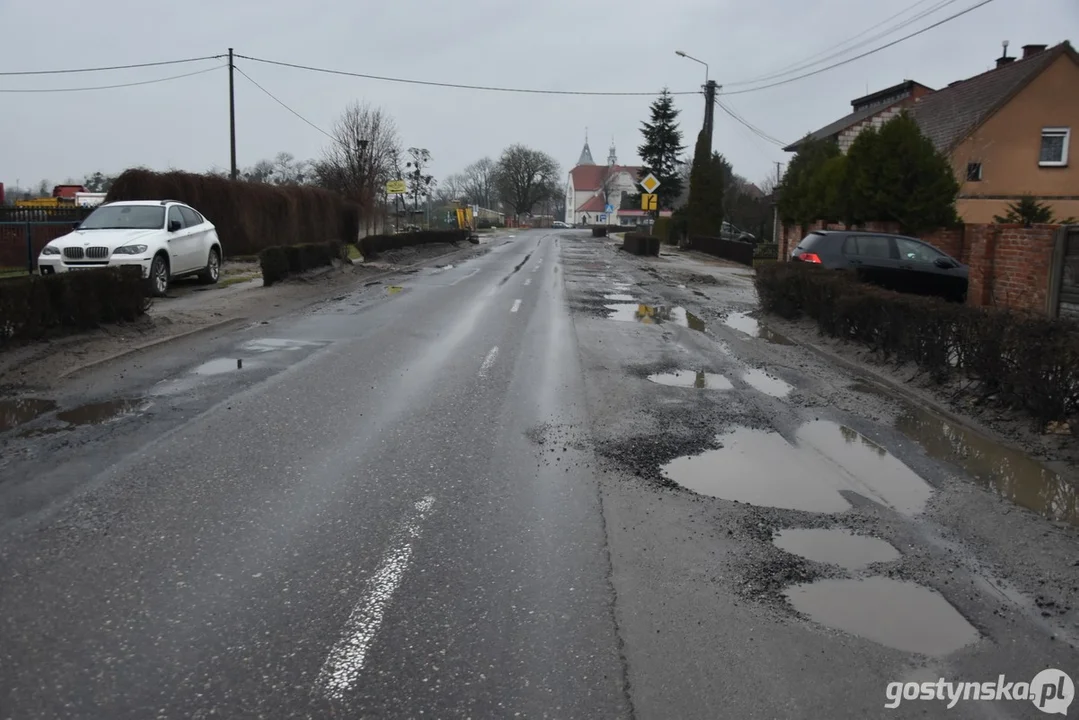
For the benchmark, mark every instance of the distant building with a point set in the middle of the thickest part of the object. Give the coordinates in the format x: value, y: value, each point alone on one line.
x: 592, y: 188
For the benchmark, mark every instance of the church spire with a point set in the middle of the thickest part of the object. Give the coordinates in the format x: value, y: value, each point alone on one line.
x: 612, y: 157
x: 586, y: 153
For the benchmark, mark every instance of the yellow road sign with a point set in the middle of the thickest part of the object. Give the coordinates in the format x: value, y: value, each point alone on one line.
x: 396, y: 187
x: 649, y: 201
x: 650, y: 183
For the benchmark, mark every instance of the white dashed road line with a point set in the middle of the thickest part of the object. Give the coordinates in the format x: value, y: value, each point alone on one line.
x: 516, y: 306
x: 346, y: 660
x: 528, y: 281
x: 488, y: 361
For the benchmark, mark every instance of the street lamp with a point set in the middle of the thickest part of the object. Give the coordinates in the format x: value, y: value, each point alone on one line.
x: 690, y: 57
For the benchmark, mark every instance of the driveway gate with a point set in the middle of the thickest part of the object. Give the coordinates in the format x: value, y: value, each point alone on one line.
x: 25, y: 231
x: 1064, y: 280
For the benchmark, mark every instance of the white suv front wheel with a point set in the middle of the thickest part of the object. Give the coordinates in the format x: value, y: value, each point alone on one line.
x: 159, y: 276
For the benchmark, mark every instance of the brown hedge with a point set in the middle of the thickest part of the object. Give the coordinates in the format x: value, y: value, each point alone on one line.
x: 31, y: 306
x: 640, y: 244
x: 249, y: 216
x: 1024, y: 362
x: 739, y: 252
x: 599, y: 230
x: 280, y: 261
x: 372, y: 245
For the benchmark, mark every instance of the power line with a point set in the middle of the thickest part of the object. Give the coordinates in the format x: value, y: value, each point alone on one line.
x: 458, y: 86
x: 111, y: 87
x: 839, y: 49
x: 862, y: 55
x: 281, y: 103
x: 110, y: 67
x: 750, y: 126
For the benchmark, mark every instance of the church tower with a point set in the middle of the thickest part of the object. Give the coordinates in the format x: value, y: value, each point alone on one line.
x: 612, y: 157
x: 586, y: 153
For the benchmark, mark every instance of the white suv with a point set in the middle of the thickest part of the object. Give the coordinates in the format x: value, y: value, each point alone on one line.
x: 167, y: 239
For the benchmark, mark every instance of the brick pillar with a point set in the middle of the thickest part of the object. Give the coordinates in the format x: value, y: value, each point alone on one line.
x: 983, y: 241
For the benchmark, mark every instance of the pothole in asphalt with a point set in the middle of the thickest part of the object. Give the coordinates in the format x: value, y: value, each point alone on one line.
x: 761, y: 468
x: 274, y: 344
x: 742, y: 322
x: 619, y: 297
x: 654, y: 315
x: 692, y: 378
x: 102, y: 412
x: 767, y: 384
x: 220, y: 366
x: 897, y: 614
x: 1009, y: 473
x: 836, y: 546
x: 17, y: 411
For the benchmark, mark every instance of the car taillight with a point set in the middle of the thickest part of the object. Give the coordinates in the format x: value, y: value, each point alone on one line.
x: 809, y: 257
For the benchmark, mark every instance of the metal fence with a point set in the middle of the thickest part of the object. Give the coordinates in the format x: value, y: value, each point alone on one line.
x: 25, y: 231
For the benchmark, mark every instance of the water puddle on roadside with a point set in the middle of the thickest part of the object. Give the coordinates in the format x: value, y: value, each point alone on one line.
x: 836, y: 546
x: 654, y: 315
x: 619, y: 297
x: 102, y: 412
x: 742, y: 322
x: 897, y: 614
x: 692, y: 378
x: 1007, y: 472
x: 767, y: 384
x: 220, y: 366
x: 760, y: 467
x: 17, y: 411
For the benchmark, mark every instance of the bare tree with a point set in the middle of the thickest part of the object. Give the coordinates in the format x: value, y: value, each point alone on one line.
x: 420, y: 183
x: 451, y: 189
x: 479, y: 183
x: 526, y: 177
x: 360, y: 159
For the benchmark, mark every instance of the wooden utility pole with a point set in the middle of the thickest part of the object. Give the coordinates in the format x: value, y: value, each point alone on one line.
x: 710, y: 88
x: 775, y: 207
x: 232, y: 118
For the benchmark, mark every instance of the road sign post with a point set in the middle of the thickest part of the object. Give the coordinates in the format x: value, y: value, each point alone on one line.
x: 649, y: 199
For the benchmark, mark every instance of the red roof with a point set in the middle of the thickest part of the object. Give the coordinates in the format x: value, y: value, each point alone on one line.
x: 67, y: 191
x: 590, y: 177
x: 593, y: 204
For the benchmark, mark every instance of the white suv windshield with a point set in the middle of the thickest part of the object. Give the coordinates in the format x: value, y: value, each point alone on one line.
x: 137, y: 217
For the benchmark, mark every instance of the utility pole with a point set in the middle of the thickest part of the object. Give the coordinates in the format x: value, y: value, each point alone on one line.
x: 775, y: 207
x: 710, y: 88
x: 232, y: 117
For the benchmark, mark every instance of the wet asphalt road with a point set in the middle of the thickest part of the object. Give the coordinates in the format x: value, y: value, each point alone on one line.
x: 376, y: 530
x: 451, y: 497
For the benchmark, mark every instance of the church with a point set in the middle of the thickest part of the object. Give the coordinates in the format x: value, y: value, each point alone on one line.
x: 593, y: 188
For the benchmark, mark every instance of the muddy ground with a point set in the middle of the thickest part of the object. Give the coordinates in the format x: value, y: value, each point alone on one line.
x: 190, y: 308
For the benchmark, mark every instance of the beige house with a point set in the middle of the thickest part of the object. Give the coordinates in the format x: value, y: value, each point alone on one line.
x: 1008, y: 132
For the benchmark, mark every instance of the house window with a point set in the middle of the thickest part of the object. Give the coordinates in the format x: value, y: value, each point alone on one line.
x: 1054, y: 152
x: 974, y: 172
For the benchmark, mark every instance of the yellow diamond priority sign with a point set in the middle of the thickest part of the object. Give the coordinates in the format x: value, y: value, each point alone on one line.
x: 650, y: 183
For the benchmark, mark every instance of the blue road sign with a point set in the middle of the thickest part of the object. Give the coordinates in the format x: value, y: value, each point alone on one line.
x: 609, y: 209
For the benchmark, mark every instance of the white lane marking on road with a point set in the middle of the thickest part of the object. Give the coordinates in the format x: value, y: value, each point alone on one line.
x: 488, y: 361
x: 345, y: 662
x: 465, y: 277
x: 528, y: 281
x: 516, y: 305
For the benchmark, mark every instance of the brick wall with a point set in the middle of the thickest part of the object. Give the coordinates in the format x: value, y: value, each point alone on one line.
x: 1010, y: 265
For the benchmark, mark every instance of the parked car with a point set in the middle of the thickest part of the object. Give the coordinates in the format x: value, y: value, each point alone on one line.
x: 897, y: 262
x: 166, y: 239
x: 559, y: 224
x: 731, y: 232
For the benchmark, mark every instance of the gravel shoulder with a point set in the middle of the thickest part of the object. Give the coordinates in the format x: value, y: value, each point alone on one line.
x: 191, y: 308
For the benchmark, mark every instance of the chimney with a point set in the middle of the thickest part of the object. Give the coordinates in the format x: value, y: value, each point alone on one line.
x: 1004, y: 59
x: 1032, y: 50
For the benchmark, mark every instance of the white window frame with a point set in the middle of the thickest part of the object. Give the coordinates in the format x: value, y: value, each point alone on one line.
x: 1063, y: 162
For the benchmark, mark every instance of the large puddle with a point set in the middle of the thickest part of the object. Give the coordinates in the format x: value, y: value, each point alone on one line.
x: 102, y: 412
x: 619, y: 297
x: 897, y: 614
x: 762, y: 468
x: 767, y: 384
x: 17, y: 411
x: 220, y: 366
x: 836, y: 546
x: 747, y: 324
x: 692, y: 378
x: 654, y: 315
x: 1010, y: 473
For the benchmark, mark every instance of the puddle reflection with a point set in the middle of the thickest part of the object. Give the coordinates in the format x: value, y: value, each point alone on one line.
x: 22, y: 410
x: 900, y: 615
x: 654, y: 315
x: 102, y: 412
x: 836, y: 546
x: 692, y: 378
x: 767, y: 384
x: 1010, y: 473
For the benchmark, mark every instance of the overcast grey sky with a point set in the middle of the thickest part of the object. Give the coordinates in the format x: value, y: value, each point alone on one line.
x: 556, y: 44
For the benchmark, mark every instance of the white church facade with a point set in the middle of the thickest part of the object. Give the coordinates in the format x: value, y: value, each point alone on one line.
x: 592, y: 189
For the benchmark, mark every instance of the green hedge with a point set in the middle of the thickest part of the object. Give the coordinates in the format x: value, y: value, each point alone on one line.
x: 1025, y: 362
x: 766, y: 250
x: 32, y: 305
x: 739, y: 252
x: 372, y: 245
x: 283, y: 260
x: 662, y: 229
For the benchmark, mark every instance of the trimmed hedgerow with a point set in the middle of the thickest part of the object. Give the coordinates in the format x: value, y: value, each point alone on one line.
x: 599, y: 230
x: 33, y: 305
x: 739, y: 252
x: 1025, y: 362
x: 248, y: 216
x: 372, y: 245
x: 278, y: 263
x: 640, y: 244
